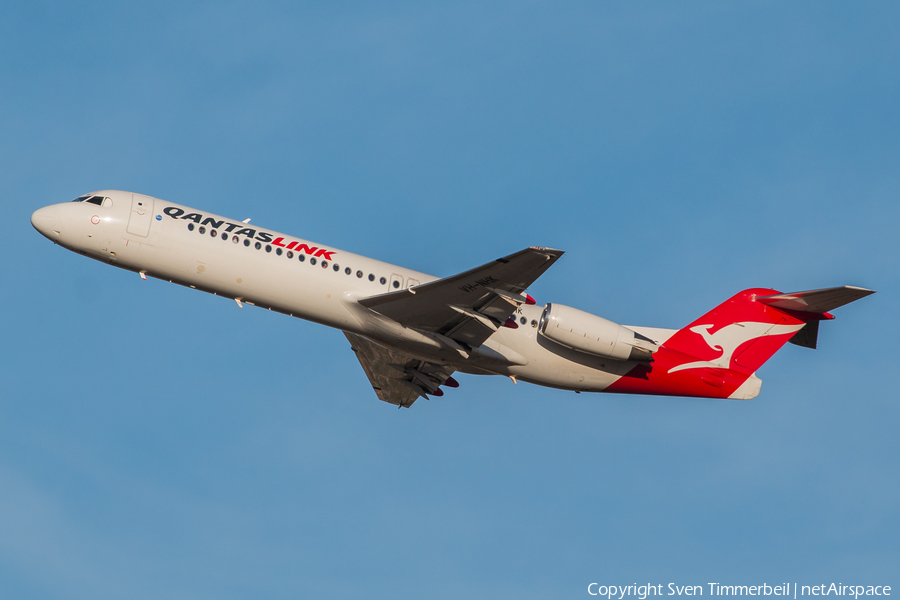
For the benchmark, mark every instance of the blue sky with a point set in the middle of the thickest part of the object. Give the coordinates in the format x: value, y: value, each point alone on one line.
x: 159, y: 442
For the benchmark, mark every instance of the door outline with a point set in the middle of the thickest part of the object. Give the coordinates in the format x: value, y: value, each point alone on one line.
x: 141, y: 215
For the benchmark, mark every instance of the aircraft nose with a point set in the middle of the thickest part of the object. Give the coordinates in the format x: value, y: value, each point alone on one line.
x: 44, y: 220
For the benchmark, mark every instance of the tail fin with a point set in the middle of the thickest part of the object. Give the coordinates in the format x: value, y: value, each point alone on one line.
x: 717, y: 355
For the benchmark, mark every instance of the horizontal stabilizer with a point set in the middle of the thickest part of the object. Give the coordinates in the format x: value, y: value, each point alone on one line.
x: 816, y: 301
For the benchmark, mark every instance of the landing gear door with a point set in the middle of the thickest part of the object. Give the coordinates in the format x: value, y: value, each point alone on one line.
x: 141, y: 215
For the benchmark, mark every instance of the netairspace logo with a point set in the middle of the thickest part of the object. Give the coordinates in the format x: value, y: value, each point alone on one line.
x: 641, y: 592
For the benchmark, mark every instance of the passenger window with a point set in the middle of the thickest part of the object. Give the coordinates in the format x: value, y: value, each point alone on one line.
x: 225, y: 237
x: 202, y: 229
x: 523, y: 320
x: 213, y: 232
x: 235, y: 239
x: 359, y: 274
x: 278, y: 251
x: 268, y: 248
x: 348, y: 270
x: 247, y: 242
x: 371, y: 277
x: 336, y: 268
x: 396, y: 283
x: 290, y: 254
x: 190, y: 226
x: 382, y: 281
x: 258, y: 246
x: 324, y: 264
x: 312, y: 261
x: 302, y: 257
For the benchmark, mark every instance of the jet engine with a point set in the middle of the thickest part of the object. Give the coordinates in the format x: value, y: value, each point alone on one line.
x: 595, y: 335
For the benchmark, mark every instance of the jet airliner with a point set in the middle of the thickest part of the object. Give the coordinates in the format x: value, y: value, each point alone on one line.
x: 412, y: 331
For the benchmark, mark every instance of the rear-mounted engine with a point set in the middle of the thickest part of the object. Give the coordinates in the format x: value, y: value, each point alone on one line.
x: 595, y: 335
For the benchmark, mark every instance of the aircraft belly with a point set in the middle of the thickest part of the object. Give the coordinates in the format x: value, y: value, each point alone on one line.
x: 566, y: 376
x: 276, y: 288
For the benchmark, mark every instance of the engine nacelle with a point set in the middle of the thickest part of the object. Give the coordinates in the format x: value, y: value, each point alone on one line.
x: 595, y: 335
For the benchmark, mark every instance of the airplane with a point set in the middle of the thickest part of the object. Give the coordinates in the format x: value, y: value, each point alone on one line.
x: 412, y: 331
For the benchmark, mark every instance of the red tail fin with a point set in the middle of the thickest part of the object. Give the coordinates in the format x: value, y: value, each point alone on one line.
x: 716, y: 355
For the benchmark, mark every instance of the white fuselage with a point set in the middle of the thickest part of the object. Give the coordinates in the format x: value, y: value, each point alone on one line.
x: 303, y: 279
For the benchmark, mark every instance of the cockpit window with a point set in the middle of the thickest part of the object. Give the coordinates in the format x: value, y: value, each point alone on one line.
x: 81, y: 198
x: 98, y: 200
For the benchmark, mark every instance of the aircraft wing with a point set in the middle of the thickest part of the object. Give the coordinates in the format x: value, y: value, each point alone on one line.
x: 471, y: 306
x: 397, y: 377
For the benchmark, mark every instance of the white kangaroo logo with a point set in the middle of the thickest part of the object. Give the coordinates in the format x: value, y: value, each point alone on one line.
x: 729, y: 338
